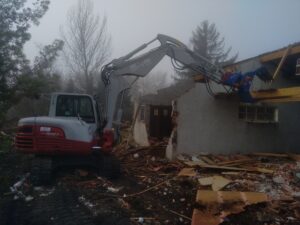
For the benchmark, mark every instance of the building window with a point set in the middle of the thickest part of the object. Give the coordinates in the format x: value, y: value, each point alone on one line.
x: 298, y: 67
x: 155, y: 113
x: 258, y: 113
x: 142, y: 112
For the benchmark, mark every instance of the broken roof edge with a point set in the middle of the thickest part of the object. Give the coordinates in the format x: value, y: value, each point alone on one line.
x: 271, y: 55
x: 165, y: 96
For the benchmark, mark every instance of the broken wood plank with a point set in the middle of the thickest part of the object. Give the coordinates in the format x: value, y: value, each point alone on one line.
x: 219, y: 183
x: 276, y: 93
x: 179, y: 214
x: 207, y: 160
x: 281, y: 100
x: 278, y: 54
x: 231, y: 173
x: 235, y: 162
x: 231, y: 203
x: 249, y: 169
x: 205, y: 181
x: 281, y: 62
x: 216, y: 182
x: 148, y: 189
x: 261, y: 170
x: 236, y: 168
x: 187, y: 172
x: 194, y: 163
x: 267, y: 154
x: 226, y: 168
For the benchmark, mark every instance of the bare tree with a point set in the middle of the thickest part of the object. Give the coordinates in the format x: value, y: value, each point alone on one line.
x: 87, y: 44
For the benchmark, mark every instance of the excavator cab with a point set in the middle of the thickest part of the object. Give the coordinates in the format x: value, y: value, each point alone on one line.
x: 79, y: 106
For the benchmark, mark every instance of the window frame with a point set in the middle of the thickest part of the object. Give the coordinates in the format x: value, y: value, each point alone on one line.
x: 89, y: 119
x: 253, y: 113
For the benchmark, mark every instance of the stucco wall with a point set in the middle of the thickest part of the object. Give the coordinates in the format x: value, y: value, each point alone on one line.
x: 209, y: 125
x: 206, y: 124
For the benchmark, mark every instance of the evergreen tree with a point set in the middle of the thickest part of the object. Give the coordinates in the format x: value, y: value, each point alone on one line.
x: 207, y: 42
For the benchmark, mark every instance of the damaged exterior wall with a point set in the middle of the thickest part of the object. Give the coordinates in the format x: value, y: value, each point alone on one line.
x: 206, y: 124
x: 163, y: 97
x: 140, y: 133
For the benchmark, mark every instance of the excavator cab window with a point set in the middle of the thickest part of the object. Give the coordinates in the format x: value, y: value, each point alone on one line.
x: 74, y: 106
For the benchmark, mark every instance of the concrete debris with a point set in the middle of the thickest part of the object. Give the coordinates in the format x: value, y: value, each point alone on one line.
x: 29, y: 198
x: 18, y: 184
x: 279, y: 180
x: 16, y: 189
x: 47, y: 192
x: 89, y: 205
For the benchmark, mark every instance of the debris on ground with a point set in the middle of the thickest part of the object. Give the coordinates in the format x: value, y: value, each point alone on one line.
x: 259, y: 188
x: 216, y: 182
x: 213, y: 207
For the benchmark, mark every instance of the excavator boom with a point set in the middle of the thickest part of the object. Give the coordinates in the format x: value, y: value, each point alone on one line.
x: 115, y: 73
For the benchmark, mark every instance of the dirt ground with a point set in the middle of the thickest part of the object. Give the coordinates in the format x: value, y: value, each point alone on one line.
x: 79, y: 196
x: 147, y: 192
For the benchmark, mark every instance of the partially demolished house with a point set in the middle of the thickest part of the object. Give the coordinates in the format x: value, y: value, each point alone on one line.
x: 216, y: 122
x: 154, y: 113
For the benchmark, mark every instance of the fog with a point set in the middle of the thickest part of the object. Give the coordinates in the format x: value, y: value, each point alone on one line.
x: 250, y: 27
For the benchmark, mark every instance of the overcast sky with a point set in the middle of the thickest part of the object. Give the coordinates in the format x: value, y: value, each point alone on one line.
x: 251, y: 27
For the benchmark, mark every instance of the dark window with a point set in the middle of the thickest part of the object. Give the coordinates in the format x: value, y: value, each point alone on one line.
x: 298, y: 67
x: 74, y: 106
x: 258, y: 113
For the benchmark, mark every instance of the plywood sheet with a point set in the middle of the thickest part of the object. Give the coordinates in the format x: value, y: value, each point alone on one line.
x: 211, y: 204
x: 216, y: 182
x: 187, y: 172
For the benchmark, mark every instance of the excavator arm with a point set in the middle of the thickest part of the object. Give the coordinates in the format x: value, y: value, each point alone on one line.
x: 115, y: 74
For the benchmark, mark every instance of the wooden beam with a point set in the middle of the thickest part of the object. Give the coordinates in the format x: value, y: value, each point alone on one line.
x: 276, y: 93
x: 278, y: 54
x: 281, y: 100
x: 281, y: 62
x: 200, y: 78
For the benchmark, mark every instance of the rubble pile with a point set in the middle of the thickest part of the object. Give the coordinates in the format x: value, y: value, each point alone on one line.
x: 260, y: 188
x: 229, y: 184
